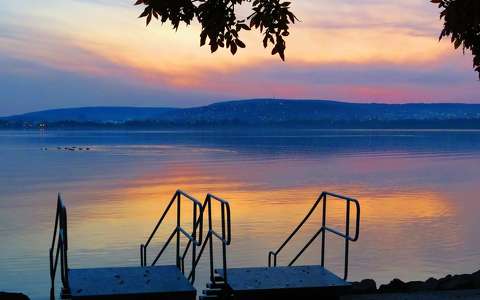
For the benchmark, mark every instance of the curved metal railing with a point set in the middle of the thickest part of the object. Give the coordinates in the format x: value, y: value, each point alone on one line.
x: 177, y: 232
x: 59, y: 247
x: 225, y: 237
x: 323, y: 229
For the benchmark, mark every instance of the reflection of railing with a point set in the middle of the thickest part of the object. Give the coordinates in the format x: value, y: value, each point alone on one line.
x: 60, y: 247
x: 197, y: 224
x: 225, y: 236
x: 323, y: 229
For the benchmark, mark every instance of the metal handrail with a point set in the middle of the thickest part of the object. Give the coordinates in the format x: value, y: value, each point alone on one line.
x: 323, y: 229
x: 60, y: 246
x: 178, y: 231
x: 225, y: 236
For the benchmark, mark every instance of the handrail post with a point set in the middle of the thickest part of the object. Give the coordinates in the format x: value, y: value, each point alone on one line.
x: 178, y: 229
x: 347, y: 240
x: 194, y: 246
x: 65, y: 248
x: 324, y: 217
x: 224, y: 246
x: 209, y: 204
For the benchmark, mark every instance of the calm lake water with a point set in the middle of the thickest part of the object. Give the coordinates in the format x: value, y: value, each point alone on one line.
x: 419, y: 192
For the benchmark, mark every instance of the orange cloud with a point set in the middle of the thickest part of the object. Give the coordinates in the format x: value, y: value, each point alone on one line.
x: 108, y: 41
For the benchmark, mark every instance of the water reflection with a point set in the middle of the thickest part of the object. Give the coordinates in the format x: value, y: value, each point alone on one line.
x: 418, y: 192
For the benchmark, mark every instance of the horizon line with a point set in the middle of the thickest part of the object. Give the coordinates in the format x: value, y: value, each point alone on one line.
x: 239, y: 100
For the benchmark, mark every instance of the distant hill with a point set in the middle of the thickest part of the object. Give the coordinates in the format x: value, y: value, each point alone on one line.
x: 93, y: 114
x: 278, y: 111
x: 265, y: 112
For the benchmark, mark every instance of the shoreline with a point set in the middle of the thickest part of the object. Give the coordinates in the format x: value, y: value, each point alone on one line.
x: 456, y: 286
x: 429, y: 288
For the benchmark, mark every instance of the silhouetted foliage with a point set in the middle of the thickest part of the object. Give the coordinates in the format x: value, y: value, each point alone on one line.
x: 220, y: 22
x: 462, y: 25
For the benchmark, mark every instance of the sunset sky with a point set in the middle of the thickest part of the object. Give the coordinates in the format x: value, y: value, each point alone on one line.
x: 68, y: 53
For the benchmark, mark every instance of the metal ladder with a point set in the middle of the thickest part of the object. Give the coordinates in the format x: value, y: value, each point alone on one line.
x: 178, y: 231
x: 92, y: 282
x: 323, y: 230
x: 217, y: 286
x: 59, y: 248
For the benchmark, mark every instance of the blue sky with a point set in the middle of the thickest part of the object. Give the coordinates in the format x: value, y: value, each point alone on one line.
x: 67, y: 53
